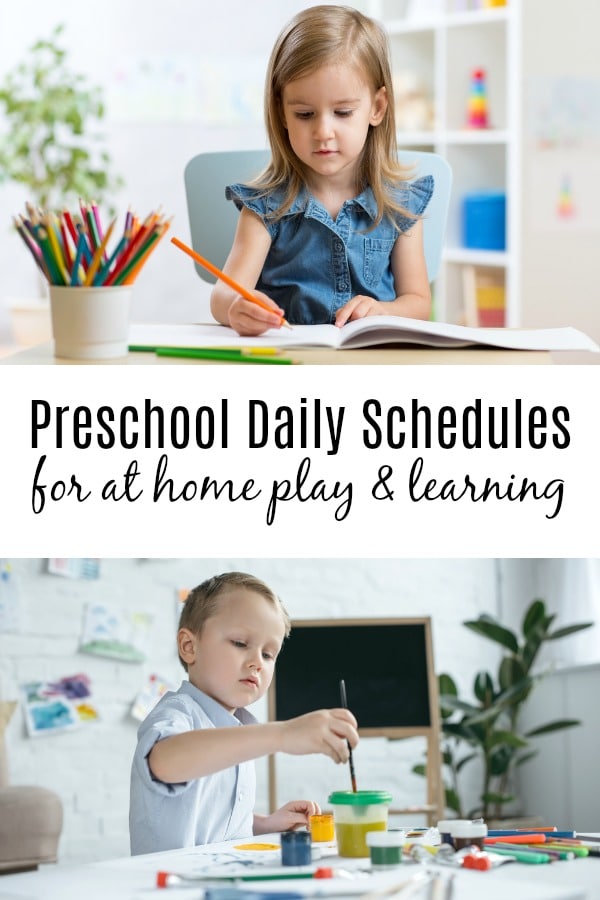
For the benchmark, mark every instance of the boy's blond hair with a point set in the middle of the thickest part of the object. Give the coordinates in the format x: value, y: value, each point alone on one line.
x: 202, y: 602
x: 316, y: 37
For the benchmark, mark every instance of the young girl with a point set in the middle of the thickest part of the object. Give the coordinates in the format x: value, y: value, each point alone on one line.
x: 331, y: 230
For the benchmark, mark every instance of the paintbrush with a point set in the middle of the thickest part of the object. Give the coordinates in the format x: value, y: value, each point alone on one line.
x: 350, y: 759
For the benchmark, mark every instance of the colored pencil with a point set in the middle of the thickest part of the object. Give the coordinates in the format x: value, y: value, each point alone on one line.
x: 217, y: 354
x: 56, y: 251
x: 78, y: 260
x: 137, y: 238
x: 516, y: 839
x: 73, y: 250
x: 48, y: 254
x: 575, y: 849
x: 562, y: 853
x: 551, y: 832
x: 68, y: 218
x: 524, y: 856
x: 99, y: 253
x: 105, y: 268
x: 242, y: 351
x: 96, y: 217
x: 238, y: 288
x: 129, y: 272
x: 32, y: 246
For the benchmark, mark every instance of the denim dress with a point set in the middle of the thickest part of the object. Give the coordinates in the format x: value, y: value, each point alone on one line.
x: 316, y: 264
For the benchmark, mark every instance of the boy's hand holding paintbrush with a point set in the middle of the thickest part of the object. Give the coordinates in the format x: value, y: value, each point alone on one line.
x: 329, y: 731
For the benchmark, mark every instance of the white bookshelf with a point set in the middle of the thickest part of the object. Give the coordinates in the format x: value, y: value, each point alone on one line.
x: 438, y: 45
x: 534, y: 52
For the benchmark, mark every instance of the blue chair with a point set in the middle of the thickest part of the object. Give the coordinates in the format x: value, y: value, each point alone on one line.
x: 213, y: 219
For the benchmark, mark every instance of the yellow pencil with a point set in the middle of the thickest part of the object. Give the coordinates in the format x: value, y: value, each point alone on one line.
x: 98, y: 255
x: 56, y: 251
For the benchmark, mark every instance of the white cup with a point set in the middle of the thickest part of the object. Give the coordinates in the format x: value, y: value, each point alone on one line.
x: 90, y: 322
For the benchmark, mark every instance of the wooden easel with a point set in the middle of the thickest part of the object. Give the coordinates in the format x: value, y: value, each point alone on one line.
x: 433, y: 807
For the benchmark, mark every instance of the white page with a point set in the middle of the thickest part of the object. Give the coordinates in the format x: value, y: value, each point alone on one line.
x: 372, y: 331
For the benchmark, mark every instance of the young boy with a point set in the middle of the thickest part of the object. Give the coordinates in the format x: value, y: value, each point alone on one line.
x: 192, y: 779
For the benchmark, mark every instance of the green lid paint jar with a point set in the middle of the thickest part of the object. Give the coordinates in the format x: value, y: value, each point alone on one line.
x: 385, y: 848
x: 355, y: 814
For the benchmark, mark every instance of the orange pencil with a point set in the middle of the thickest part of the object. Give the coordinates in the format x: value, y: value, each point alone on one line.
x: 517, y: 839
x: 225, y: 278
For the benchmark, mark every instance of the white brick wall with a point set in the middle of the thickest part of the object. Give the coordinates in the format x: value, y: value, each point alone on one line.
x: 89, y: 768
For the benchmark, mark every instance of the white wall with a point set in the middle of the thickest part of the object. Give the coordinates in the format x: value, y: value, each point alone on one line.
x: 559, y: 275
x: 563, y: 782
x: 89, y: 768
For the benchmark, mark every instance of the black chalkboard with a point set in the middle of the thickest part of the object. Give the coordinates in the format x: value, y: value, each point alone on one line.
x: 385, y: 666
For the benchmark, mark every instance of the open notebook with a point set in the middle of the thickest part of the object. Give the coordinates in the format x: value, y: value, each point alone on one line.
x: 369, y: 332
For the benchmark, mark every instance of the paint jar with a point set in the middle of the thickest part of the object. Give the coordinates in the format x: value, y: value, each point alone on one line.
x: 295, y: 848
x: 322, y: 827
x: 385, y: 848
x: 445, y: 826
x: 355, y: 813
x: 468, y: 834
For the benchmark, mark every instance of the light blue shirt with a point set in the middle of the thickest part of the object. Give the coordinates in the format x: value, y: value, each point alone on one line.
x: 316, y: 264
x: 217, y: 807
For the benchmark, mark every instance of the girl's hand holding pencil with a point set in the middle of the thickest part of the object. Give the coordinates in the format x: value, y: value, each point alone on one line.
x: 73, y: 249
x: 247, y: 312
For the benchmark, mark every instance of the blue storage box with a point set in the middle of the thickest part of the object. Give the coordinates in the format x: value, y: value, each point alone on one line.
x: 484, y: 220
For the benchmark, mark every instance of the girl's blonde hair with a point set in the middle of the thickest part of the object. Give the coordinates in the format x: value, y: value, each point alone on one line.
x: 202, y: 602
x: 316, y: 37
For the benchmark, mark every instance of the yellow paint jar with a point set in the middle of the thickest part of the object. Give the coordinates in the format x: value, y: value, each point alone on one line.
x: 322, y: 827
x: 355, y: 815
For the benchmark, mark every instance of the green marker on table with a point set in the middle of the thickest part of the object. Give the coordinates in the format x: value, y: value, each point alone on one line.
x: 524, y: 856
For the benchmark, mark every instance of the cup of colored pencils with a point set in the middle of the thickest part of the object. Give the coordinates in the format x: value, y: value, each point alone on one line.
x: 90, y: 272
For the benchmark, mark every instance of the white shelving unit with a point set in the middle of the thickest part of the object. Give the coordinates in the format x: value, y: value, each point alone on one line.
x: 543, y: 79
x: 436, y: 46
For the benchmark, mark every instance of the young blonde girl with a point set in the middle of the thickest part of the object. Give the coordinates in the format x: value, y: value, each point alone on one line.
x: 331, y: 230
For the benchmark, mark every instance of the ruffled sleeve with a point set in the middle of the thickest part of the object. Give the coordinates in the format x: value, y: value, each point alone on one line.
x: 414, y: 196
x: 254, y: 200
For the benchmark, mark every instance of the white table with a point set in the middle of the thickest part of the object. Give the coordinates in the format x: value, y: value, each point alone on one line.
x: 134, y: 878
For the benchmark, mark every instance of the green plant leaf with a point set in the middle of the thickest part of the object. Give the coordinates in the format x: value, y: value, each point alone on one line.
x: 483, y: 688
x: 419, y: 769
x: 557, y: 725
x: 447, y: 757
x: 494, y: 632
x: 491, y: 797
x: 568, y: 629
x: 452, y: 800
x: 507, y: 737
x: 462, y: 763
x: 523, y: 759
x: 515, y: 694
x: 446, y: 688
x: 510, y: 672
x: 535, y: 614
x: 500, y: 759
x: 454, y: 703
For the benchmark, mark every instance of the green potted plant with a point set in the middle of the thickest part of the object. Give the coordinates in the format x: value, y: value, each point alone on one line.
x: 487, y: 728
x: 48, y: 144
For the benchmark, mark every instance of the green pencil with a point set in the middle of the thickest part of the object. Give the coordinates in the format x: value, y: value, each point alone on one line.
x: 221, y: 355
x: 523, y: 856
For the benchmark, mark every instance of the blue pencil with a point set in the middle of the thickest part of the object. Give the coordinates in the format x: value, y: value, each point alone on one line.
x: 106, y: 267
x: 77, y: 260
